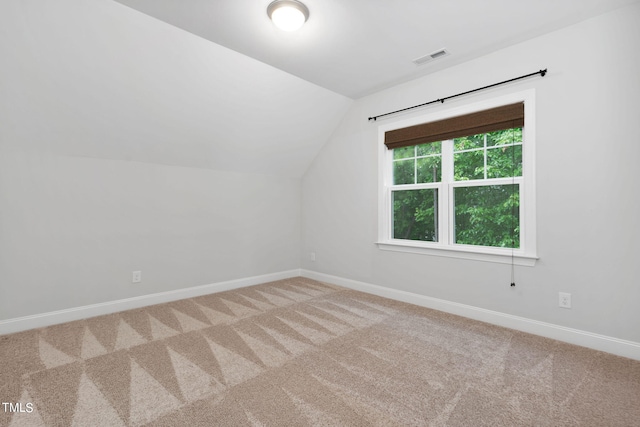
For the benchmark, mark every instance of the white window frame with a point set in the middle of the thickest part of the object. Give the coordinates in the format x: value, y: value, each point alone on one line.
x: 526, y: 254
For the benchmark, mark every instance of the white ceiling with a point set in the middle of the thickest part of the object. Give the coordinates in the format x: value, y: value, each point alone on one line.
x: 357, y: 47
x: 94, y: 78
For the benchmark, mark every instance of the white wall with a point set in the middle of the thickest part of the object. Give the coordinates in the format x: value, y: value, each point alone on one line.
x: 73, y: 229
x: 128, y: 144
x: 112, y: 159
x: 587, y: 176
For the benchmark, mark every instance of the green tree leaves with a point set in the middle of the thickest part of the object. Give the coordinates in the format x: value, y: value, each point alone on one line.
x: 415, y: 214
x: 418, y: 164
x: 485, y: 215
x: 488, y: 155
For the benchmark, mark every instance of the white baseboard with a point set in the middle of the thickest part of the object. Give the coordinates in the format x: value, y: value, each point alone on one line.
x: 599, y: 342
x: 61, y: 316
x: 604, y: 343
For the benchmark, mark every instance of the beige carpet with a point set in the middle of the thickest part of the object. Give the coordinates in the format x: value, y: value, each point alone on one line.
x: 299, y: 352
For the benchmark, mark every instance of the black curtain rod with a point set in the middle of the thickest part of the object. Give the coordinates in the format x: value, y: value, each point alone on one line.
x: 441, y: 100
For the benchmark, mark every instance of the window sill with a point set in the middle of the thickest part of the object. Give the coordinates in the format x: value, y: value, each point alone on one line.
x: 502, y: 256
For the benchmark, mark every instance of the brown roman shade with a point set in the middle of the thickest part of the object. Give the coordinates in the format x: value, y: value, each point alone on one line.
x: 504, y: 117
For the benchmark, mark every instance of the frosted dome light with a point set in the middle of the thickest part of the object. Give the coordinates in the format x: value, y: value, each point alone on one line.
x: 288, y: 15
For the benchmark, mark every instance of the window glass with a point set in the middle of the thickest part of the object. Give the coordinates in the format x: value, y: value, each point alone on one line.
x: 489, y: 155
x: 427, y: 149
x: 504, y: 161
x: 468, y: 165
x: 415, y: 214
x: 429, y: 169
x: 469, y: 196
x: 403, y: 153
x: 417, y: 165
x: 487, y: 215
x: 468, y: 142
x: 404, y: 172
x: 483, y: 215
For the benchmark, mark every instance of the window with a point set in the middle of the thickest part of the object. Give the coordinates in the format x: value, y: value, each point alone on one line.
x: 461, y: 183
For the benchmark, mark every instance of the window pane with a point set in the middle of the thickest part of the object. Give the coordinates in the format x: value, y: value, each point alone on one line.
x: 517, y: 134
x: 504, y: 137
x: 504, y: 162
x: 468, y: 165
x: 429, y: 169
x: 403, y: 153
x: 415, y: 214
x: 487, y: 215
x: 404, y: 172
x: 467, y: 142
x: 431, y: 148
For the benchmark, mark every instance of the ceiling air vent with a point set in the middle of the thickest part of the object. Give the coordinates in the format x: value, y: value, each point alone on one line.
x: 430, y: 57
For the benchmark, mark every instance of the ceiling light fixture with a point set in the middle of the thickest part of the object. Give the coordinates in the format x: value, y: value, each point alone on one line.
x: 288, y: 15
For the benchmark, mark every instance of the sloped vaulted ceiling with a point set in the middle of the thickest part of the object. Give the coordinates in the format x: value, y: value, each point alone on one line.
x: 358, y: 47
x: 102, y: 80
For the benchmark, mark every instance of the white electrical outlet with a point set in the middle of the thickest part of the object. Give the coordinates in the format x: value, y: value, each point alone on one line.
x: 136, y: 277
x: 564, y: 299
x: 312, y: 256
